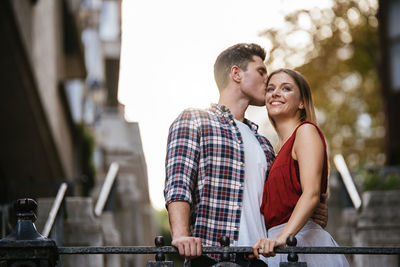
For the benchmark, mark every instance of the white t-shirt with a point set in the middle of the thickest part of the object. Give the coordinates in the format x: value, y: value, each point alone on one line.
x: 252, y: 225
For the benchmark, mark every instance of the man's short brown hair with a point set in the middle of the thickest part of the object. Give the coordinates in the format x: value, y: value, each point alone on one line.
x: 237, y: 55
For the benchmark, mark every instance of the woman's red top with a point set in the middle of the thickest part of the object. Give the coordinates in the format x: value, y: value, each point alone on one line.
x: 282, y: 189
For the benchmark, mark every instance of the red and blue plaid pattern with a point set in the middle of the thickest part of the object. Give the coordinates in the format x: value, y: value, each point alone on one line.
x: 205, y: 167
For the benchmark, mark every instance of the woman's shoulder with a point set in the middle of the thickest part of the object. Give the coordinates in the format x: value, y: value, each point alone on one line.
x: 308, y: 131
x: 309, y: 141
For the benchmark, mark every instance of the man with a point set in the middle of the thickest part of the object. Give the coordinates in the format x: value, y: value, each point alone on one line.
x: 217, y: 163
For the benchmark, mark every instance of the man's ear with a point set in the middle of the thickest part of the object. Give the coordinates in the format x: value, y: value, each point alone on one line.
x: 236, y: 73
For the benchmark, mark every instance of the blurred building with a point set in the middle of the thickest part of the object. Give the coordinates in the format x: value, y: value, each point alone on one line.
x: 61, y: 122
x: 389, y: 35
x: 377, y: 222
x: 40, y: 50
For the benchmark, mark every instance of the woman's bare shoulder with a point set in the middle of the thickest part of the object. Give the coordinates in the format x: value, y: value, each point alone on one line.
x: 307, y: 131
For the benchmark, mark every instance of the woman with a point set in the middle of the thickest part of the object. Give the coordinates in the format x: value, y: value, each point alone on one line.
x: 298, y: 175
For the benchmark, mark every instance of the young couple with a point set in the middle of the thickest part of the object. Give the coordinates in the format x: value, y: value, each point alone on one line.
x: 223, y: 178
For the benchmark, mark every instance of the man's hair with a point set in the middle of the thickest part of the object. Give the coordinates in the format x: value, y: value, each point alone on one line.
x: 237, y: 55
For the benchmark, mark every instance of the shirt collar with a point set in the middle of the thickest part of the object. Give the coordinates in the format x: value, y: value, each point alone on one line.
x: 221, y: 110
x: 224, y: 111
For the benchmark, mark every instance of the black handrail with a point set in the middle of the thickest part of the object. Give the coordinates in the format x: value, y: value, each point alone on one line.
x: 216, y: 250
x: 25, y: 245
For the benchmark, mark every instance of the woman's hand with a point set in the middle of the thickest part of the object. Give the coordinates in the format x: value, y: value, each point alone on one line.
x: 265, y: 247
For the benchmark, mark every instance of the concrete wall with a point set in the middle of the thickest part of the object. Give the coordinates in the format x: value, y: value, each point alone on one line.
x: 41, y: 28
x: 120, y: 142
x: 378, y: 224
x: 48, y: 63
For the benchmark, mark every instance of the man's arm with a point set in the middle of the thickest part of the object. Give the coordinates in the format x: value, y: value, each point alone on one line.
x: 181, y: 172
x: 188, y: 246
x: 320, y: 215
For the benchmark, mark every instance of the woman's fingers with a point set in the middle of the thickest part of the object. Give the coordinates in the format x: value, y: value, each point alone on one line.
x: 256, y: 248
x: 266, y: 246
x: 271, y: 246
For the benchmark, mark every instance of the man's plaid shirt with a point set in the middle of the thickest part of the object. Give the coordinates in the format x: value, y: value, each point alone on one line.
x: 205, y: 167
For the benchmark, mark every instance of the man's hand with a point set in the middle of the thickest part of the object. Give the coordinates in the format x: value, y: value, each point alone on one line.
x: 320, y: 215
x: 188, y: 246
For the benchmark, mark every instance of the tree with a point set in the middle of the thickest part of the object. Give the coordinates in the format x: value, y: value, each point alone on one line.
x: 337, y: 50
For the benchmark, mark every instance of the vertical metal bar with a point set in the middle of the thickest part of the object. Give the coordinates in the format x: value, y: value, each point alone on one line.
x: 105, y: 190
x: 293, y: 258
x: 54, y: 209
x: 347, y: 180
x: 160, y: 257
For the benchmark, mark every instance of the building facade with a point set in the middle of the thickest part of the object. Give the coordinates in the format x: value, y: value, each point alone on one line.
x: 61, y: 122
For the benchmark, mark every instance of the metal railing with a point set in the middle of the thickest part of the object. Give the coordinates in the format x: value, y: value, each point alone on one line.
x: 55, y: 209
x: 106, y: 188
x: 230, y: 250
x: 26, y: 247
x: 348, y: 182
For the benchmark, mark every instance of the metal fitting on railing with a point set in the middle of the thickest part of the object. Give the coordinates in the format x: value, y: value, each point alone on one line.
x: 160, y: 256
x: 26, y: 210
x: 225, y: 256
x: 292, y: 257
x: 25, y: 246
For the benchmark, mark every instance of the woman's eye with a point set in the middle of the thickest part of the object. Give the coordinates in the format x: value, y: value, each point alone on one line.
x: 270, y: 89
x: 286, y: 88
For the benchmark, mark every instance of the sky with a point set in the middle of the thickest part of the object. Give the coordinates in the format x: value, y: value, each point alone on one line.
x: 168, y: 52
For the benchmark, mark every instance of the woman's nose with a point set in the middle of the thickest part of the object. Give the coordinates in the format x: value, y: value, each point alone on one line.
x: 275, y: 93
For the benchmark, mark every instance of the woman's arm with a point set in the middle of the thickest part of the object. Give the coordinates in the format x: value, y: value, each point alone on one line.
x: 308, y: 150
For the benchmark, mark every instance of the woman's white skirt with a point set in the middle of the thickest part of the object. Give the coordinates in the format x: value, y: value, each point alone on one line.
x: 311, y: 235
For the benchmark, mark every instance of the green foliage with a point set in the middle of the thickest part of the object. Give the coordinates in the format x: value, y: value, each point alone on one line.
x: 376, y: 179
x: 164, y: 230
x: 392, y: 181
x: 163, y: 225
x: 340, y: 63
x: 86, y: 143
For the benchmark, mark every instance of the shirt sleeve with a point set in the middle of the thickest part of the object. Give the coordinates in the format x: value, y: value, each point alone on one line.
x: 182, y: 159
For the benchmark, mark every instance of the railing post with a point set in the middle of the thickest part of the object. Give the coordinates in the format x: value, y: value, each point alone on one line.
x: 160, y: 256
x: 225, y: 256
x: 292, y: 257
x: 25, y: 247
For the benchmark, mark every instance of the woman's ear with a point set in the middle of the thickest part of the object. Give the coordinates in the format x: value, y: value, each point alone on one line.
x: 301, y: 105
x: 236, y: 74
